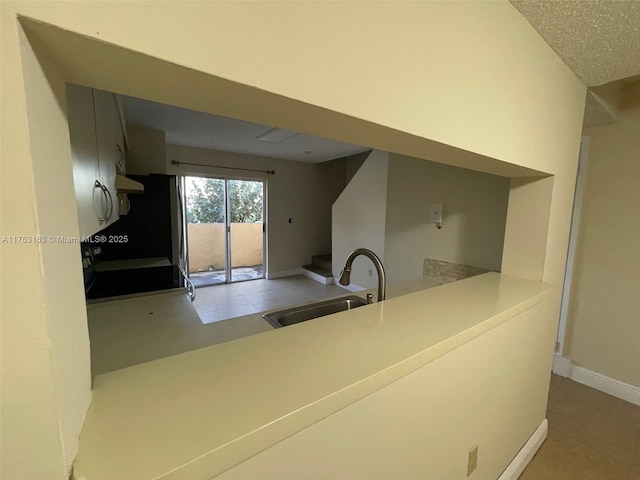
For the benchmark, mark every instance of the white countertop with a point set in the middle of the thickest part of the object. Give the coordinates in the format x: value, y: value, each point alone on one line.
x: 148, y: 327
x: 134, y: 329
x: 199, y: 413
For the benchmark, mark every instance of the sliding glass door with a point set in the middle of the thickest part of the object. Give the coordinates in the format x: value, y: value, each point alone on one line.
x: 225, y: 229
x: 246, y: 229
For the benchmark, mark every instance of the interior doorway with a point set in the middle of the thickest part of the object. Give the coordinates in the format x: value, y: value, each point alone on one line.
x: 225, y: 229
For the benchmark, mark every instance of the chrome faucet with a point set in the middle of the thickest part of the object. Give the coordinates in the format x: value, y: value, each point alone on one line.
x: 345, y: 274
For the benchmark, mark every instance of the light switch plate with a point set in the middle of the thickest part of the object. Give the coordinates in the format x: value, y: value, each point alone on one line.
x: 435, y: 212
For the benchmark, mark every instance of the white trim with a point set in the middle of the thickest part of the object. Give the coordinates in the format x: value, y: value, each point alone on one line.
x: 352, y: 287
x: 318, y: 278
x: 625, y: 391
x: 284, y: 273
x: 581, y: 177
x: 562, y: 366
x: 526, y: 453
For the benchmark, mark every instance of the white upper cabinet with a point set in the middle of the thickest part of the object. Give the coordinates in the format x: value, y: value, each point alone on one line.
x: 110, y: 147
x: 96, y: 145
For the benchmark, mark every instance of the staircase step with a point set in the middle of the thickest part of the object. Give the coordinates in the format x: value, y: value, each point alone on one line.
x: 321, y: 262
x: 318, y: 274
x: 319, y: 271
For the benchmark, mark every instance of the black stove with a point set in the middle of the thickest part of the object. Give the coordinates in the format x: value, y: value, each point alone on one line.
x: 114, y: 283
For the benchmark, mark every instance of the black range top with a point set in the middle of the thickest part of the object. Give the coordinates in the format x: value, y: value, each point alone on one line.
x: 114, y: 283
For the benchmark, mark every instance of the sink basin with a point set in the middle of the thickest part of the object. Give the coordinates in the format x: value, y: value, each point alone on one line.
x: 290, y: 316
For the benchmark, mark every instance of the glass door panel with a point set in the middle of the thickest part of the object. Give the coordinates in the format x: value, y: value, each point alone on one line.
x: 206, y: 208
x: 246, y: 229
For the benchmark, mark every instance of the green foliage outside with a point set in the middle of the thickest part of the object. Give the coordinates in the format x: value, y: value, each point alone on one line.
x: 206, y: 203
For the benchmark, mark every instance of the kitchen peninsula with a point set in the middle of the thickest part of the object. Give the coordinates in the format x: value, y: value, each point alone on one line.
x: 127, y: 331
x: 462, y: 364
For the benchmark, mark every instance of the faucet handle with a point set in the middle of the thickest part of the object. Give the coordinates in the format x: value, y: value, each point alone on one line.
x: 369, y: 298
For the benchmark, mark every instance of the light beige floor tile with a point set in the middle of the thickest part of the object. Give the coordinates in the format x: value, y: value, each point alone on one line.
x: 260, y: 296
x: 295, y: 298
x: 275, y: 284
x: 327, y: 292
x: 206, y: 307
x: 227, y: 313
x: 232, y: 301
x: 240, y: 310
x: 221, y: 292
x: 206, y: 293
x: 270, y: 304
x: 246, y: 287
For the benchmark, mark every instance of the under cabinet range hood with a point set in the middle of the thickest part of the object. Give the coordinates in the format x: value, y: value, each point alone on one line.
x: 126, y: 185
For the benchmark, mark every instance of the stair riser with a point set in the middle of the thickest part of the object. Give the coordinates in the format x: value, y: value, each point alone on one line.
x: 319, y: 278
x: 321, y: 262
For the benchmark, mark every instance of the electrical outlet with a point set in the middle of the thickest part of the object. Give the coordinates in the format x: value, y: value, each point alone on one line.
x: 371, y: 272
x: 472, y: 464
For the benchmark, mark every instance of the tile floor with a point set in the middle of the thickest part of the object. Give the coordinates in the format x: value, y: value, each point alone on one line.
x: 218, y: 277
x: 592, y: 436
x: 222, y: 302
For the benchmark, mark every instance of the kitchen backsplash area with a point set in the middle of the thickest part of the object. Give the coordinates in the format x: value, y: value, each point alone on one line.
x: 146, y: 231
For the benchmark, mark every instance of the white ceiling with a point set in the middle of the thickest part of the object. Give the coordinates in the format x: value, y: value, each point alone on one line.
x: 203, y: 130
x: 598, y: 39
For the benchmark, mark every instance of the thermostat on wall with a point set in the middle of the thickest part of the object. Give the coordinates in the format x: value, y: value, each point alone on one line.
x: 435, y: 212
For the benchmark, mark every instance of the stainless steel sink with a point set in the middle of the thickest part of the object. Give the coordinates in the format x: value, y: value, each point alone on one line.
x: 290, y: 316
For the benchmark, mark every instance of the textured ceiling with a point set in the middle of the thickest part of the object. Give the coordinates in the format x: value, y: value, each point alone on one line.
x: 598, y: 39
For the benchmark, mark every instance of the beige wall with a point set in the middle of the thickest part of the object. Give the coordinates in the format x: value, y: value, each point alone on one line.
x: 353, y: 164
x: 529, y: 228
x: 474, y: 218
x: 603, y: 327
x: 302, y: 192
x: 470, y: 396
x: 447, y: 86
x: 207, y: 245
x: 45, y: 371
x: 358, y: 220
x: 146, y: 151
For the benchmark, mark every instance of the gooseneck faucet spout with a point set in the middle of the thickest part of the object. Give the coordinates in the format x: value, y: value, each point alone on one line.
x: 345, y: 275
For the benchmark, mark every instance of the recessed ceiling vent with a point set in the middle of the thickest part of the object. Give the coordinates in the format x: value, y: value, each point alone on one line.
x: 275, y: 135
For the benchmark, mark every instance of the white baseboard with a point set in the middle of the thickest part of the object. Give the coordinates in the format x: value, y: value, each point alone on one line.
x: 352, y: 287
x: 284, y: 273
x: 526, y: 453
x: 318, y: 278
x: 563, y: 367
